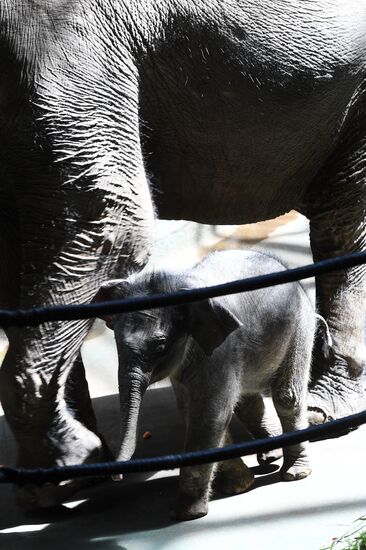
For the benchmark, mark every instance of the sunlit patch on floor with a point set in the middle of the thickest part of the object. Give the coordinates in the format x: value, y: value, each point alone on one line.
x: 74, y: 504
x: 24, y: 529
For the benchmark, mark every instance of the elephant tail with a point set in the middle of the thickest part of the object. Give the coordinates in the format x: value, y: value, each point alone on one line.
x: 327, y: 342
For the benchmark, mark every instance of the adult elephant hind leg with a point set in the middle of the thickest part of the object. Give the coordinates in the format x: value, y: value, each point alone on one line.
x: 337, y: 213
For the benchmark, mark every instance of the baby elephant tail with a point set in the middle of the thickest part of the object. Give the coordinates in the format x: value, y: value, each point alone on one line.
x: 327, y: 341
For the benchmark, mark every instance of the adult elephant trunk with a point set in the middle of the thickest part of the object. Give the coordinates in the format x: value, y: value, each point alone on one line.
x: 131, y: 390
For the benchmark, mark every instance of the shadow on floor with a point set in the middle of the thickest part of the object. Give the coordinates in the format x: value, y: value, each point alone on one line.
x: 139, y: 502
x: 115, y: 518
x: 134, y: 513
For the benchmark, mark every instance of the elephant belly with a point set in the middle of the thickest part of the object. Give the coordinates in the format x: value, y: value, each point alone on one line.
x: 235, y: 129
x: 234, y: 159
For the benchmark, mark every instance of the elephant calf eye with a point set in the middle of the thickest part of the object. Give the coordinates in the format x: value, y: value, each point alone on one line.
x: 160, y: 346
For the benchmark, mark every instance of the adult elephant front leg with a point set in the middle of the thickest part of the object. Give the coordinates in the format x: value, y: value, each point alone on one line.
x: 85, y: 212
x: 338, y: 226
x: 71, y: 244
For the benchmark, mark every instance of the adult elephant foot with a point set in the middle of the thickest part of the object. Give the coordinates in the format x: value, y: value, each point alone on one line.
x: 329, y: 399
x: 33, y: 497
x: 52, y: 426
x: 338, y: 386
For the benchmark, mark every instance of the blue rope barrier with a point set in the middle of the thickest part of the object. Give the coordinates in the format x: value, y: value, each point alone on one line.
x: 33, y: 317
x: 21, y: 476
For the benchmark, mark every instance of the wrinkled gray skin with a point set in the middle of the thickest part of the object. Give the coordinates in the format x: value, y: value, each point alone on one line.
x: 230, y: 112
x: 221, y: 355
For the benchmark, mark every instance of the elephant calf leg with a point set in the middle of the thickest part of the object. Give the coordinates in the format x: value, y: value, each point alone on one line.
x: 195, y: 481
x: 296, y: 463
x: 233, y: 476
x: 260, y: 418
x: 289, y: 390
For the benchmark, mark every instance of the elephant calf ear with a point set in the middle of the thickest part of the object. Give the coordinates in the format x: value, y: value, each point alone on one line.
x: 109, y: 291
x: 210, y: 323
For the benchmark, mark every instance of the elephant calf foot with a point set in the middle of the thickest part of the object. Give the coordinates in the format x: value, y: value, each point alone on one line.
x: 295, y: 467
x: 234, y: 477
x: 270, y: 456
x: 188, y: 507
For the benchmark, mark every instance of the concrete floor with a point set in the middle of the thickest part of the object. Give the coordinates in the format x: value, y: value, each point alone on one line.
x: 134, y: 513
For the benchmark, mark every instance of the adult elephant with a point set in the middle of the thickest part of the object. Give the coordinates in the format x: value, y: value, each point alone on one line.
x: 227, y: 111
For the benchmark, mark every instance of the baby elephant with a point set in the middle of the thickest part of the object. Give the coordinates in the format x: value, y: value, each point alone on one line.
x: 221, y: 355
